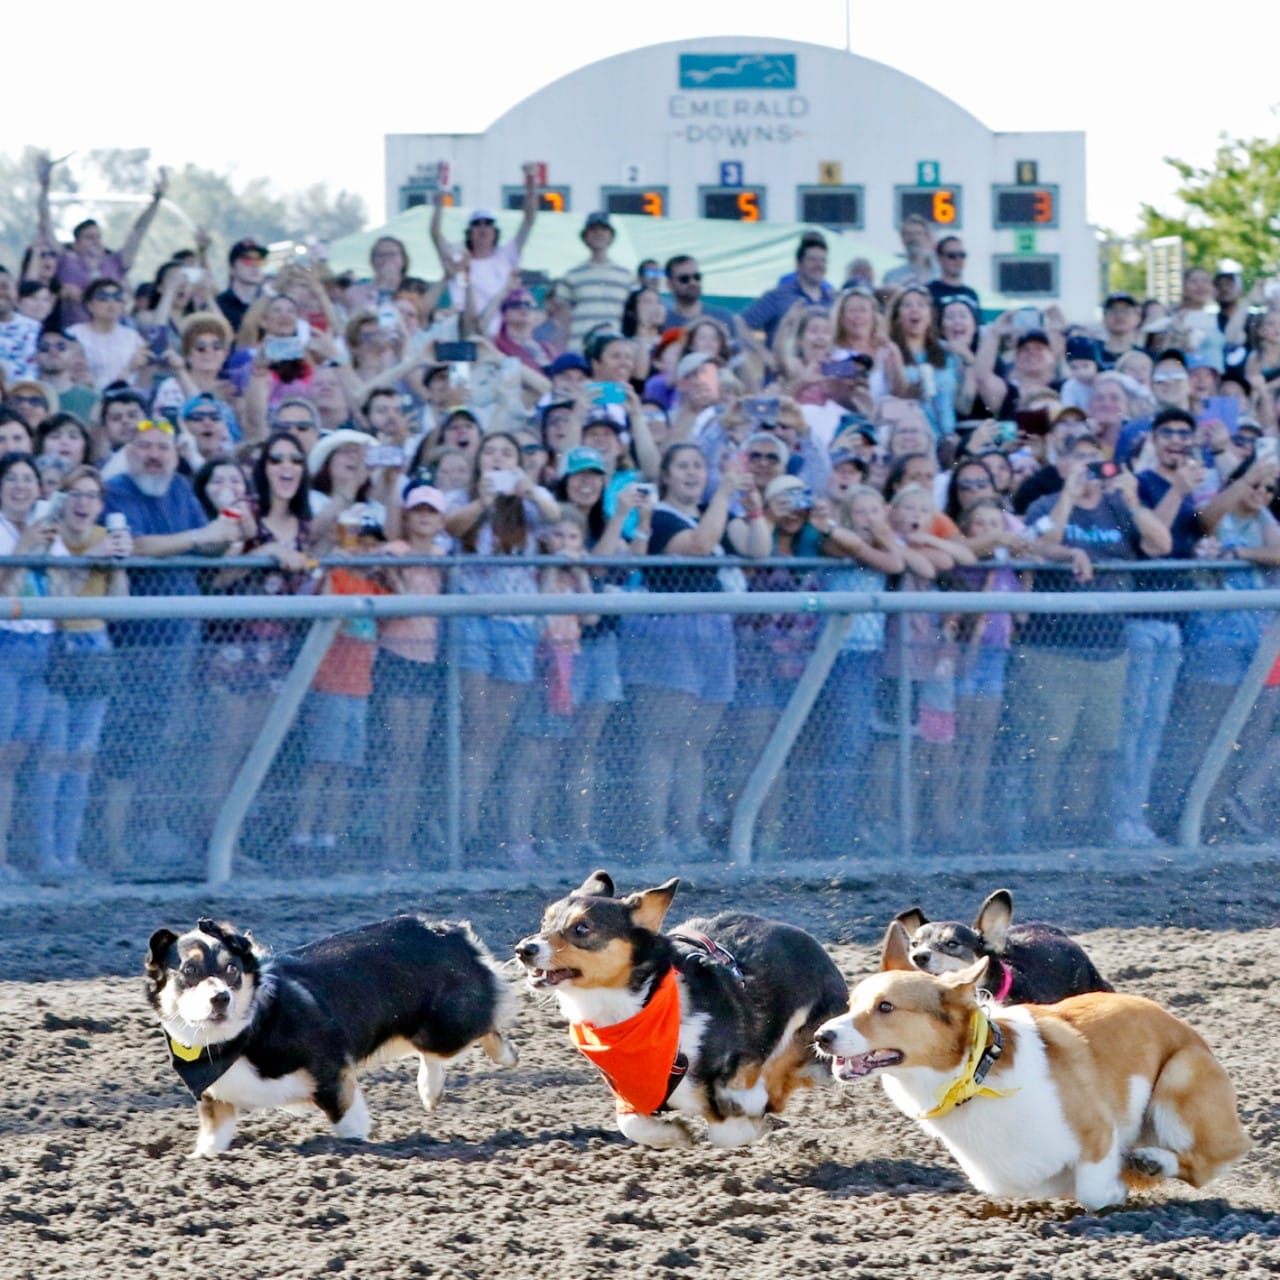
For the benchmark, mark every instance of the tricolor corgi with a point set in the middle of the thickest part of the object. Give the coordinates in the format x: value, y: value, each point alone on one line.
x: 1083, y: 1098
x: 714, y: 1020
x: 246, y: 1030
x: 1031, y: 963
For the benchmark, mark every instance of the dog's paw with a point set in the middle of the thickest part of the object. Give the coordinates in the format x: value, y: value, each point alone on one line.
x: 650, y: 1132
x: 355, y: 1123
x: 1151, y: 1162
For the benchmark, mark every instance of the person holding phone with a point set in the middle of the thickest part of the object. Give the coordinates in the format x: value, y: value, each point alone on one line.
x: 917, y: 365
x: 1068, y: 687
x: 500, y: 514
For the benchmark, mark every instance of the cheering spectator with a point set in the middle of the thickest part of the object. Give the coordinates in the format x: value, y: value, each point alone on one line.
x: 246, y: 261
x: 917, y: 243
x: 949, y: 282
x: 916, y: 363
x: 807, y: 284
x: 516, y: 335
x: 112, y: 349
x: 19, y: 334
x: 55, y: 354
x: 24, y: 643
x: 684, y: 281
x: 81, y: 674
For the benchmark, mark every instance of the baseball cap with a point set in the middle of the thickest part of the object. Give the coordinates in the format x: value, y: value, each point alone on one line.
x: 1032, y: 335
x: 583, y: 459
x: 782, y: 484
x: 839, y: 456
x: 1197, y: 361
x: 603, y: 416
x: 598, y: 218
x: 205, y: 400
x: 766, y: 437
x: 518, y: 298
x: 424, y: 495
x: 246, y: 248
x: 1081, y: 347
x: 566, y: 361
x: 481, y: 215
x: 691, y: 363
x: 1113, y: 298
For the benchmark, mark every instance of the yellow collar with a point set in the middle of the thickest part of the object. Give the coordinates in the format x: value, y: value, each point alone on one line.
x: 188, y: 1053
x: 968, y: 1084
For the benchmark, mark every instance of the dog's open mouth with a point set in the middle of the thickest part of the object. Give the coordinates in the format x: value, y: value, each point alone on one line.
x: 550, y: 977
x: 863, y: 1064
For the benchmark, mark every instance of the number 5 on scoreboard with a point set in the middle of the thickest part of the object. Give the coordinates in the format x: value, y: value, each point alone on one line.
x: 749, y: 206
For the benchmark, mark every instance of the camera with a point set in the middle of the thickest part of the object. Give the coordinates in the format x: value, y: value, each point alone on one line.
x: 384, y: 455
x: 504, y: 480
x: 607, y: 393
x: 456, y: 352
x: 1100, y: 470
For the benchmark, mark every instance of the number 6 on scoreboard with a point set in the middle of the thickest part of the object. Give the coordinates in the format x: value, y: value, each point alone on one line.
x: 944, y: 208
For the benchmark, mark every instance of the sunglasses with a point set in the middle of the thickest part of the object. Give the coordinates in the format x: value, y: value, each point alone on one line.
x: 58, y: 345
x: 688, y: 277
x: 49, y: 253
x: 29, y: 400
x: 972, y: 486
x: 204, y: 417
x: 95, y: 494
x: 764, y: 457
x: 166, y: 428
x: 953, y: 253
x: 279, y: 459
x: 294, y: 426
x: 212, y: 345
x: 108, y: 295
x: 1174, y: 433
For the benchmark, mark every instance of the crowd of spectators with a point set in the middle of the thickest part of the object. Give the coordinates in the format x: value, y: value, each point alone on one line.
x: 886, y: 433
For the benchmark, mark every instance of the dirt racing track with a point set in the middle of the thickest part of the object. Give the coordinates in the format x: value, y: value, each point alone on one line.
x: 521, y: 1173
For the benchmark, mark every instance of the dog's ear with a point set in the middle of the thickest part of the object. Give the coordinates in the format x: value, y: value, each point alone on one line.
x: 973, y: 975
x: 895, y: 951
x: 650, y: 907
x: 599, y: 884
x: 994, y: 918
x: 911, y: 919
x: 153, y: 966
x: 239, y: 944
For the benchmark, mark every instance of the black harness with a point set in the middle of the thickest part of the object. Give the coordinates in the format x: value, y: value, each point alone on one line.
x: 199, y: 1068
x: 717, y: 954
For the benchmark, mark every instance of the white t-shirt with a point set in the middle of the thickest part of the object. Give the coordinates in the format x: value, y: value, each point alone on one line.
x: 26, y: 584
x: 106, y: 354
x: 489, y: 277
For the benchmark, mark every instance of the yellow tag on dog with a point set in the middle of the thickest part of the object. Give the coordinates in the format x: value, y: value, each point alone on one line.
x: 183, y: 1051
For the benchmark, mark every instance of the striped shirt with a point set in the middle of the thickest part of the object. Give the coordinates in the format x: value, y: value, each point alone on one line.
x: 597, y: 292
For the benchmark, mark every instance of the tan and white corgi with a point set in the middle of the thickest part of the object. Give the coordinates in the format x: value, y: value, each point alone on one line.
x: 1087, y: 1097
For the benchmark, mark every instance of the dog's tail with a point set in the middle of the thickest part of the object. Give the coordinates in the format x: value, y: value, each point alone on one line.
x: 496, y: 1042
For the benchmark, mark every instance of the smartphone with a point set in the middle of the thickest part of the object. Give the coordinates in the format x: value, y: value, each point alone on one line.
x: 607, y: 392
x: 193, y: 275
x: 760, y: 408
x: 1026, y: 318
x: 1226, y: 409
x: 384, y: 455
x: 842, y: 368
x: 53, y: 512
x: 801, y: 499
x: 388, y: 318
x: 505, y: 480
x: 1033, y: 422
x: 647, y: 490
x: 1103, y: 470
x: 1266, y: 450
x: 283, y: 350
x: 456, y: 352
x: 1005, y: 433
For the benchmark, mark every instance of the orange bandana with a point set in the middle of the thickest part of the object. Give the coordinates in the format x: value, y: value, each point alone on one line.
x: 636, y: 1056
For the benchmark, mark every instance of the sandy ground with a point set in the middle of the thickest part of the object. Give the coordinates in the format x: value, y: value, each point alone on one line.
x: 521, y: 1173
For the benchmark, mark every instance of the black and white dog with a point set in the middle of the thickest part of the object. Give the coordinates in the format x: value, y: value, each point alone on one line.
x: 714, y: 1020
x: 1033, y: 963
x: 246, y: 1030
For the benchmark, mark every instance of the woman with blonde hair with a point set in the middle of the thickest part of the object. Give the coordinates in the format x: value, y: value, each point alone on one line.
x: 858, y: 324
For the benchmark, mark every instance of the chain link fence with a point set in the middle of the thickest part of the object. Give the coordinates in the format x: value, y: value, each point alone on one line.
x: 671, y: 711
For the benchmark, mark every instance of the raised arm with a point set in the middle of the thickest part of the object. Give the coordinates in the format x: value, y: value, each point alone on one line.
x: 530, y: 208
x: 129, y: 250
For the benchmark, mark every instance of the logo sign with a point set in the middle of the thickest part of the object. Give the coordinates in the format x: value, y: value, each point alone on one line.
x: 1024, y: 242
x: 731, y: 173
x: 1026, y: 173
x: 737, y: 71
x: 830, y: 173
x: 928, y: 173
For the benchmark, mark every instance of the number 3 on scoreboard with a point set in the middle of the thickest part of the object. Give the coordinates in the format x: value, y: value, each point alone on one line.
x: 749, y: 206
x: 944, y: 207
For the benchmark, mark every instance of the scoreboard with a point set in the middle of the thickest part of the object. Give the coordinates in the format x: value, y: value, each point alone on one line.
x: 736, y: 204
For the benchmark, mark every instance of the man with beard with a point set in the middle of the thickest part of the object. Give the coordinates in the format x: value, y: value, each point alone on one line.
x: 166, y: 519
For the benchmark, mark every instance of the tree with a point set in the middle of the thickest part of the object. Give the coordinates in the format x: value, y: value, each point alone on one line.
x: 1231, y: 208
x: 196, y: 198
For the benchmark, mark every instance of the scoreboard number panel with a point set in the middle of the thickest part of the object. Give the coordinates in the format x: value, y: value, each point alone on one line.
x: 1024, y: 208
x: 647, y: 202
x: 831, y: 206
x: 732, y: 204
x: 942, y: 206
x: 550, y: 199
x: 1025, y: 275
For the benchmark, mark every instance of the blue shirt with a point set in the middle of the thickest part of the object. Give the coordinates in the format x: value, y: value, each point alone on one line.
x: 766, y: 312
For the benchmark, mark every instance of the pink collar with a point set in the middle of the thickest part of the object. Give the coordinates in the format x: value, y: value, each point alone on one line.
x: 1006, y: 983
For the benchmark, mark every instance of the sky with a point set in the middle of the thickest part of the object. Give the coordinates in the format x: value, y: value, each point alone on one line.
x: 272, y: 89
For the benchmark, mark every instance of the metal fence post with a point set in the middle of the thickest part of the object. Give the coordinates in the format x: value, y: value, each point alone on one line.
x: 1224, y: 739
x: 905, y: 797
x: 235, y: 808
x: 785, y: 733
x: 453, y: 734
